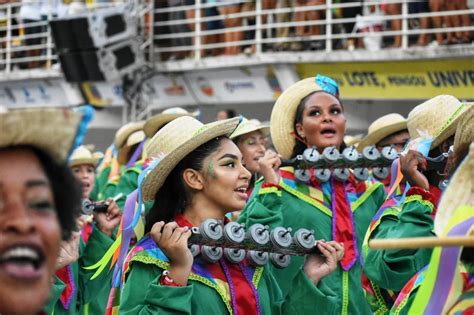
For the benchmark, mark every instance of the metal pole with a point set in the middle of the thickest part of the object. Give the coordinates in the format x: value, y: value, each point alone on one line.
x: 404, y: 24
x: 9, y: 39
x: 197, y: 31
x: 151, y: 54
x: 258, y: 24
x: 328, y: 25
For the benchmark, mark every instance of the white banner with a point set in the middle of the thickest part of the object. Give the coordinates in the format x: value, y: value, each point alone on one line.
x: 257, y: 84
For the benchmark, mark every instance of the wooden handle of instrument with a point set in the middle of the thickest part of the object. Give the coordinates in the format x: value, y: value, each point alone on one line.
x: 422, y: 242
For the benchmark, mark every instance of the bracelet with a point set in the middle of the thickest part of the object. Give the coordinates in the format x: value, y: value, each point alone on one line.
x: 166, y: 280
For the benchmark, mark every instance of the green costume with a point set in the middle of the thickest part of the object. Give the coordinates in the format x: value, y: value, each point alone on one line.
x: 144, y: 294
x: 297, y: 205
x: 85, y: 290
x: 389, y: 270
x: 128, y: 183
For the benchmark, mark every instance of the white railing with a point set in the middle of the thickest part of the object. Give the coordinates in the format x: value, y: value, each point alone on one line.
x: 328, y: 26
x: 28, y: 44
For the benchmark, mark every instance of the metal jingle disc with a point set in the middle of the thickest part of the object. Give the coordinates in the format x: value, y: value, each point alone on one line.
x: 350, y: 154
x: 323, y: 175
x: 361, y: 174
x: 280, y: 260
x: 258, y: 234
x: 194, y: 249
x: 281, y: 237
x: 389, y: 153
x: 303, y: 175
x: 211, y: 229
x: 331, y: 154
x: 370, y: 153
x: 311, y: 155
x: 211, y: 254
x: 234, y: 232
x: 304, y: 238
x: 341, y: 174
x: 234, y: 255
x: 257, y: 258
x: 380, y: 172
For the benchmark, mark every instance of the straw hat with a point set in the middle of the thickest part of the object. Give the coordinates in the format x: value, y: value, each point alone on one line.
x: 175, y: 141
x: 153, y: 124
x: 125, y: 131
x: 84, y: 155
x: 383, y: 127
x: 465, y: 130
x: 248, y: 126
x: 438, y: 117
x: 459, y: 192
x: 50, y: 129
x: 284, y: 112
x: 135, y: 138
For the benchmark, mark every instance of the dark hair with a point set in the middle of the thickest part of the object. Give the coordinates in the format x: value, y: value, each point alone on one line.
x: 391, y: 136
x: 173, y: 197
x: 231, y: 113
x: 66, y: 191
x: 300, y: 146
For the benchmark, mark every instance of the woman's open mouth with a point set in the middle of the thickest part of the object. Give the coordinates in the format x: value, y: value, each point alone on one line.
x: 328, y: 132
x: 23, y: 262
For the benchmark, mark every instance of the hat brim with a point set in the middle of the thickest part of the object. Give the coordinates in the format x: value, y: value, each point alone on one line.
x: 52, y: 130
x: 154, y: 124
x: 92, y: 161
x: 121, y: 138
x: 379, y: 134
x: 284, y: 113
x: 457, y: 193
x: 157, y: 176
x: 265, y: 130
x: 450, y: 130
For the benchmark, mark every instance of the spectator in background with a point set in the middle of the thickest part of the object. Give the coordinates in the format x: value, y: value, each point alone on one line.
x: 437, y: 6
x: 395, y: 25
x: 226, y: 8
x: 458, y: 20
x: 312, y: 30
x: 180, y: 29
x: 225, y: 114
x: 424, y: 22
x: 214, y: 25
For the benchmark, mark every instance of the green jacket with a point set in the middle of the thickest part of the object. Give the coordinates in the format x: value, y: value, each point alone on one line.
x: 143, y: 293
x: 288, y: 207
x: 86, y: 290
x: 389, y: 270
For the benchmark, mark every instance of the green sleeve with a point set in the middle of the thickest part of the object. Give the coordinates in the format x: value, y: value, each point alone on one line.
x: 322, y: 298
x: 391, y: 269
x: 56, y: 290
x: 140, y: 296
x: 95, y: 249
x: 264, y: 207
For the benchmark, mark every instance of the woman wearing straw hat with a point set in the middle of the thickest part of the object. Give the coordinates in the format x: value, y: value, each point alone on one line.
x: 39, y: 200
x: 200, y: 176
x: 90, y: 247
x: 128, y: 179
x: 411, y: 216
x: 428, y: 292
x: 307, y: 114
x: 250, y: 137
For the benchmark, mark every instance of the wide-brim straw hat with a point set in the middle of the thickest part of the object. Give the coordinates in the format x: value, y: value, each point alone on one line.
x: 133, y: 139
x: 438, y: 117
x: 465, y: 130
x: 351, y: 140
x: 459, y: 192
x: 381, y: 128
x: 153, y: 124
x: 250, y: 125
x: 175, y: 141
x: 52, y: 130
x: 284, y: 113
x: 83, y: 155
x: 125, y: 131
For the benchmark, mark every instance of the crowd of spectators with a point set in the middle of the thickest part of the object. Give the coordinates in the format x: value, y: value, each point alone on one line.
x: 229, y: 25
